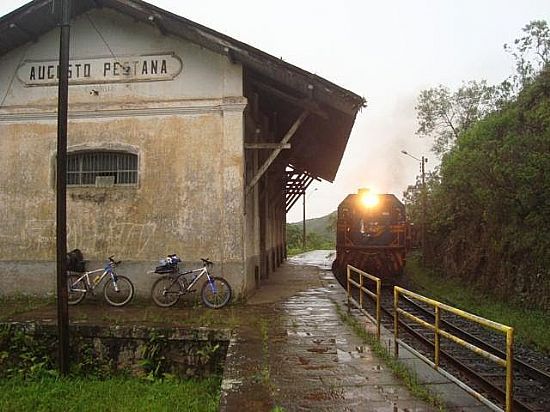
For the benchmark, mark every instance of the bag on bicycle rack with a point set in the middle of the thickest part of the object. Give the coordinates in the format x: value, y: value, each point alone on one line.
x: 75, y: 261
x: 168, y: 265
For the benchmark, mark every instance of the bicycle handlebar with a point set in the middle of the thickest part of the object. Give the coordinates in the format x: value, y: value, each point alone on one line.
x: 115, y: 263
x: 206, y: 261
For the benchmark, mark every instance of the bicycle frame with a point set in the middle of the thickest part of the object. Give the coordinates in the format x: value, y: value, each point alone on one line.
x: 90, y: 286
x: 203, y: 271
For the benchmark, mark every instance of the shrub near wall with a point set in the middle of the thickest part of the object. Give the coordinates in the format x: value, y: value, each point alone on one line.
x: 30, y: 350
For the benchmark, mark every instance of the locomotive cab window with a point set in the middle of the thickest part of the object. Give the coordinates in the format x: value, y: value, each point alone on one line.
x: 102, y: 168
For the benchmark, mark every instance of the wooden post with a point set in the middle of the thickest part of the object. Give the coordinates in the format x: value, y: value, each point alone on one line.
x: 61, y: 188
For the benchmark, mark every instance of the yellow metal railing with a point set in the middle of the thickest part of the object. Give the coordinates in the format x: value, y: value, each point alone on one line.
x: 438, y: 333
x: 365, y: 291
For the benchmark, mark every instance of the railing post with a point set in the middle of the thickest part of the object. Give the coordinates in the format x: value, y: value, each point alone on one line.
x: 361, y: 290
x: 378, y: 295
x: 395, y: 321
x: 349, y: 288
x: 509, y: 368
x: 436, y: 338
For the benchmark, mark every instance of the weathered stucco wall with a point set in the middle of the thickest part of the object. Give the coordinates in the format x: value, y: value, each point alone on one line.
x: 187, y: 133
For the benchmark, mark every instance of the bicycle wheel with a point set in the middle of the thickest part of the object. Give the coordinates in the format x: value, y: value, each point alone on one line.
x: 166, y: 291
x: 216, y: 293
x: 76, y: 289
x: 125, y: 291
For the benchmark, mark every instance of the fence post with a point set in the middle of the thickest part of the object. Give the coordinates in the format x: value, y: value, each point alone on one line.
x: 378, y: 295
x: 436, y: 338
x: 349, y: 288
x: 395, y: 321
x: 509, y: 368
x: 361, y: 290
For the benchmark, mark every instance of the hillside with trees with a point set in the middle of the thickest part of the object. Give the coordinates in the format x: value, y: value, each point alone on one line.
x: 488, y: 204
x: 320, y: 234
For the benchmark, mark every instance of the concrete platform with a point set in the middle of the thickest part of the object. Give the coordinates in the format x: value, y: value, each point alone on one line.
x: 299, y: 355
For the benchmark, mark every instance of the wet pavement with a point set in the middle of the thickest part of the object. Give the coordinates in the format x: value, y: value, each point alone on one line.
x: 299, y: 355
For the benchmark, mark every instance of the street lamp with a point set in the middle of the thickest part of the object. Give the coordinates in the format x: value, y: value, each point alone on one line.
x: 422, y: 161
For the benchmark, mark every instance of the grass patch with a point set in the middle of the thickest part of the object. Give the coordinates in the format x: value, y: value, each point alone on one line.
x: 531, y: 326
x: 408, y: 377
x: 114, y: 394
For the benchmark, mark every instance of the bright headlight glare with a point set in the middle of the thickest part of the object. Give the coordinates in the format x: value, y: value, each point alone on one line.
x: 369, y: 200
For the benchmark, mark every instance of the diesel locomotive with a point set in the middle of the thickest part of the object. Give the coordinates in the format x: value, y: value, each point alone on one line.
x: 373, y: 235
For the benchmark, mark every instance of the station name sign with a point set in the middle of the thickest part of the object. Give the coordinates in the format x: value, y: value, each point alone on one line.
x: 146, y: 68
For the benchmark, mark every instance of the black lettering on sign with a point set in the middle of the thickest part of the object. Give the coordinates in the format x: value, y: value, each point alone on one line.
x: 50, y: 72
x: 87, y: 70
x: 154, y: 66
x: 106, y: 68
x: 70, y: 71
x: 32, y: 75
x: 144, y: 68
x: 41, y: 72
x: 163, y: 67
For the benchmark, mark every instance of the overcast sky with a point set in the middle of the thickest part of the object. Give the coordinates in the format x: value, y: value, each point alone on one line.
x: 386, y: 51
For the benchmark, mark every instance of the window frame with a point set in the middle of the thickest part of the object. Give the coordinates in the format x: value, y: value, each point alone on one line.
x: 130, y: 158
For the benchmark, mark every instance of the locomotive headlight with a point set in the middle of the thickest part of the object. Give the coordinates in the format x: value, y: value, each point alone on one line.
x: 369, y: 200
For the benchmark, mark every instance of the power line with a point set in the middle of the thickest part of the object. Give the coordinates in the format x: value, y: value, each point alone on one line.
x: 101, y: 36
x: 13, y: 76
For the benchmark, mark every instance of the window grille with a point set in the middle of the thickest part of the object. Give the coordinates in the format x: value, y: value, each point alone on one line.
x: 83, y: 168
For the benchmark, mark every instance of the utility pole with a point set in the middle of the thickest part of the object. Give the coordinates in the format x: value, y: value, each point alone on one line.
x: 423, y: 162
x: 304, y: 223
x: 61, y: 186
x: 304, y: 242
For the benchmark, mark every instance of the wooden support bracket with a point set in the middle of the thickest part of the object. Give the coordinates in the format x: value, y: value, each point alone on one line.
x: 276, y: 152
x: 266, y: 146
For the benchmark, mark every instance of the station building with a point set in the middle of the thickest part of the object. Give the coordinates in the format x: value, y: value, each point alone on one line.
x: 180, y: 140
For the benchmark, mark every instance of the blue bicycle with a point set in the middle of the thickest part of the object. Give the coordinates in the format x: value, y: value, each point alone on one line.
x: 118, y: 290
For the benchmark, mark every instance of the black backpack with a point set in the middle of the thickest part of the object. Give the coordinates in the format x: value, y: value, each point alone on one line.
x: 75, y: 261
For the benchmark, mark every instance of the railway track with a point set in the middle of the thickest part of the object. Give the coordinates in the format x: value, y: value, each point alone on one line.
x: 531, y: 382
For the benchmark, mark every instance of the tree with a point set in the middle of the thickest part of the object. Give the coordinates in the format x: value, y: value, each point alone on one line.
x: 530, y: 52
x: 444, y: 115
x: 490, y: 213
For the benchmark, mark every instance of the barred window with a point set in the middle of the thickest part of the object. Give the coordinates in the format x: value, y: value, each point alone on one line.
x: 92, y: 168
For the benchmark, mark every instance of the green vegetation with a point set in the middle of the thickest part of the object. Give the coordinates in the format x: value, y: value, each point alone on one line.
x: 29, y: 379
x: 113, y: 394
x: 488, y: 205
x: 320, y: 235
x: 531, y: 326
x: 408, y: 377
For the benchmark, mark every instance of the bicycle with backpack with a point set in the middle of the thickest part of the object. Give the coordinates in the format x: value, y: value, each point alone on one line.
x: 166, y: 291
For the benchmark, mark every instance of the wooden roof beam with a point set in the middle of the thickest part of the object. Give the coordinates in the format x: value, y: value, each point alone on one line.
x: 267, y: 146
x: 303, y: 103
